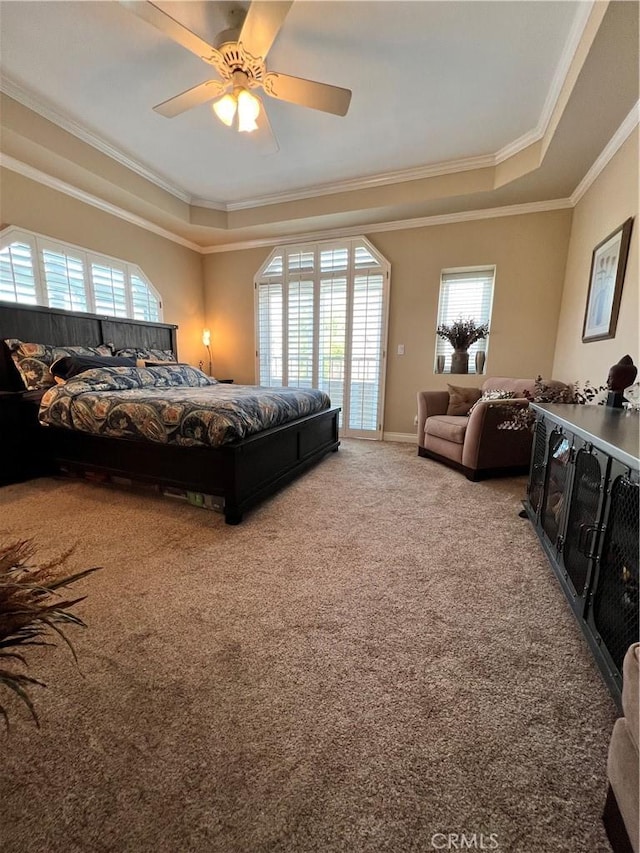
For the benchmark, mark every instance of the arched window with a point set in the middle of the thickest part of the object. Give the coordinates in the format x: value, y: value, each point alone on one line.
x: 35, y: 270
x: 321, y: 322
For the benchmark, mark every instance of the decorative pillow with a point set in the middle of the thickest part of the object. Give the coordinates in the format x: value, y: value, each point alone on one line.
x: 461, y: 399
x: 497, y: 394
x: 34, y: 360
x: 161, y: 356
x: 70, y: 365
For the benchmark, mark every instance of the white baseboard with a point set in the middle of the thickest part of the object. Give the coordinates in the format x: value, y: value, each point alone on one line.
x: 406, y: 437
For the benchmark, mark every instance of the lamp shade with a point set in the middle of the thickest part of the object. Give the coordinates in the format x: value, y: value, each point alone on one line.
x: 206, y: 337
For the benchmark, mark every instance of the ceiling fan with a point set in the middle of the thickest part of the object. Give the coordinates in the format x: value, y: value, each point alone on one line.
x: 239, y: 59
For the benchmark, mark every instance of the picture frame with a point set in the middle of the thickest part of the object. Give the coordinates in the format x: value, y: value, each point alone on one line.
x: 608, y: 266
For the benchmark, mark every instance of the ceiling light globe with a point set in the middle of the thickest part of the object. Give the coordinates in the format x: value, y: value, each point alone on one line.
x: 225, y: 109
x: 248, y: 111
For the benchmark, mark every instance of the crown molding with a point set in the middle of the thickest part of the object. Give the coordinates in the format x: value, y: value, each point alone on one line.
x: 617, y: 140
x: 395, y: 225
x: 416, y: 173
x: 49, y: 112
x: 88, y: 198
x: 559, y: 77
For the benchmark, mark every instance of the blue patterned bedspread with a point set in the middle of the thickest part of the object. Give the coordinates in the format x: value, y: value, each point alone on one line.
x: 172, y: 405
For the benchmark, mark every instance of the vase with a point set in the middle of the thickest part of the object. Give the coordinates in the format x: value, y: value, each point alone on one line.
x: 460, y: 361
x: 480, y: 359
x: 439, y: 364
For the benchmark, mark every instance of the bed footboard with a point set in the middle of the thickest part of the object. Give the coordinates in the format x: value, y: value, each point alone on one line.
x: 242, y: 474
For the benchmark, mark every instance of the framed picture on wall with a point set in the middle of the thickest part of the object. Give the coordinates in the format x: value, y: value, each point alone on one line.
x: 608, y: 265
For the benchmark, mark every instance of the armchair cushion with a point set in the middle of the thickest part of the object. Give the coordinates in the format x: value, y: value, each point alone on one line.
x: 461, y: 399
x: 451, y: 428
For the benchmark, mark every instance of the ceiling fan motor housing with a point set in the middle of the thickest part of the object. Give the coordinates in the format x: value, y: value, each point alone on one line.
x: 237, y: 59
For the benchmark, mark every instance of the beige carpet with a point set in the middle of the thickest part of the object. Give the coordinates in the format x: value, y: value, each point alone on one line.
x: 378, y: 654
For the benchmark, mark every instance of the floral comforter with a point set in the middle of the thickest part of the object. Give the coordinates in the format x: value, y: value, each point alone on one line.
x: 172, y: 405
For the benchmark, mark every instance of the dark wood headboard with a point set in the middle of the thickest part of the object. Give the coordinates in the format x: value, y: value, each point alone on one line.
x: 40, y: 325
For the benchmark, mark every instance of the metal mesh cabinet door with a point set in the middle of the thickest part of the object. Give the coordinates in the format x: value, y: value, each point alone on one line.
x: 614, y: 609
x: 538, y: 457
x: 556, y: 485
x: 580, y: 540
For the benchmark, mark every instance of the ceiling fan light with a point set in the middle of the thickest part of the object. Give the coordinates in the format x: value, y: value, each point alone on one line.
x: 225, y: 109
x: 248, y: 111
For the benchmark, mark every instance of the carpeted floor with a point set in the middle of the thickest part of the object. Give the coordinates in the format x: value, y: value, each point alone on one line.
x: 377, y: 657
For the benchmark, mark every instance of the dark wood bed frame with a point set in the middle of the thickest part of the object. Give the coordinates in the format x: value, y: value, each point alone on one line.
x: 241, y: 474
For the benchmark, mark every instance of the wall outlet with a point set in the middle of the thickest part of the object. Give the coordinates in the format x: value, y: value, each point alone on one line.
x: 400, y: 349
x: 415, y: 420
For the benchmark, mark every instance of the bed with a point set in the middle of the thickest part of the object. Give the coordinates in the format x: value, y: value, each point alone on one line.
x: 239, y: 473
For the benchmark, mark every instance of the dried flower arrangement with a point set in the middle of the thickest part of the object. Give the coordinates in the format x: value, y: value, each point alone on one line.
x: 462, y: 333
x: 543, y: 393
x: 29, y: 614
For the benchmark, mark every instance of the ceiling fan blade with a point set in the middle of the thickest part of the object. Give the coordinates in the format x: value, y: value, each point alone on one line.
x: 262, y: 25
x: 191, y: 98
x: 308, y: 93
x: 152, y: 14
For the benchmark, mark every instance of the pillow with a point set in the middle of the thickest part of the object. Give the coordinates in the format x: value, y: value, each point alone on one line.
x: 70, y: 365
x: 497, y: 394
x: 462, y: 399
x: 159, y: 355
x: 34, y: 360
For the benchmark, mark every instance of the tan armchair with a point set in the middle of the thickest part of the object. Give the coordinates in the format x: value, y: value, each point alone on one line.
x: 473, y: 444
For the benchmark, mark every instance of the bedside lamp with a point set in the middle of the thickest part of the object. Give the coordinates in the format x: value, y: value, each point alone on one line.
x: 206, y: 340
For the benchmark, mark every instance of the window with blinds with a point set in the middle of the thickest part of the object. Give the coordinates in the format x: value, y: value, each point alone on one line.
x: 321, y: 314
x: 37, y: 271
x: 464, y: 294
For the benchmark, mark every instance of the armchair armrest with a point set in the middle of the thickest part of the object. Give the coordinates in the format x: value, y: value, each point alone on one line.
x: 485, y: 446
x: 430, y: 403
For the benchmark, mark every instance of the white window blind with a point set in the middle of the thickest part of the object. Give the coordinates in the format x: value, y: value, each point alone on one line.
x: 37, y: 271
x: 464, y: 294
x: 17, y: 276
x: 64, y: 277
x: 146, y: 305
x: 321, y: 313
x: 366, y: 350
x: 270, y: 333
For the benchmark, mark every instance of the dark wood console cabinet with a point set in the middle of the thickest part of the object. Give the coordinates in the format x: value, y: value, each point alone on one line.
x: 583, y: 501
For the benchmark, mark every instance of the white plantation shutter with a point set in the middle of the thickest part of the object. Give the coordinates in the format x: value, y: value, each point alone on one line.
x: 146, y: 305
x: 331, y: 298
x: 64, y: 277
x: 37, y: 271
x: 109, y: 290
x: 17, y: 276
x: 300, y: 334
x: 270, y: 334
x: 366, y: 351
x: 464, y: 294
x: 332, y: 338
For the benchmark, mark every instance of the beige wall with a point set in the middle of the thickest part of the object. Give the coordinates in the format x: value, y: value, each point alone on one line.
x: 529, y: 252
x: 611, y: 199
x: 175, y: 271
